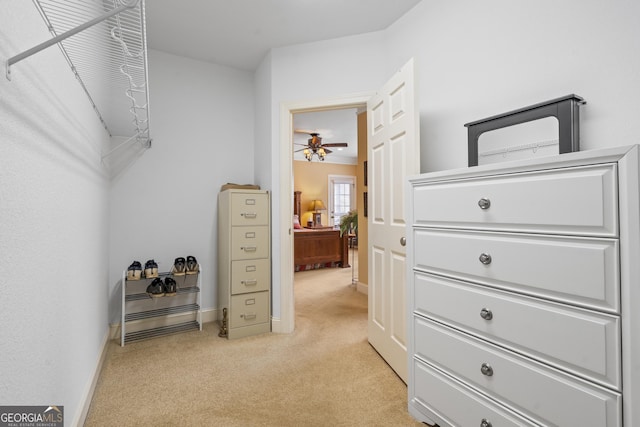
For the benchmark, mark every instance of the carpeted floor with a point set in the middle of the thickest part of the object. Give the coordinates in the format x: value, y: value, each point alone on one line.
x: 323, y: 374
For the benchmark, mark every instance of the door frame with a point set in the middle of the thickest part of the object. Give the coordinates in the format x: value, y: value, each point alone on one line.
x: 286, y: 322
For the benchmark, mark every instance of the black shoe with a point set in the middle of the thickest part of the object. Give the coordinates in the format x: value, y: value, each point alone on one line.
x: 156, y: 288
x: 134, y: 272
x: 150, y: 269
x: 170, y: 287
x: 179, y: 267
x: 192, y: 265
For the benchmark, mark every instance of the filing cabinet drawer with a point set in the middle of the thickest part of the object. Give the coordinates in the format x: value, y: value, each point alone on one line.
x: 584, y: 342
x: 249, y: 242
x: 576, y: 201
x: 581, y: 271
x: 453, y: 404
x: 249, y: 309
x: 249, y: 209
x: 250, y: 276
x: 529, y: 387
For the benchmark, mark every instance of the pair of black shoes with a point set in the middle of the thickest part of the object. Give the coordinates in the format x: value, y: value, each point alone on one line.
x: 183, y: 266
x: 134, y: 272
x: 158, y: 288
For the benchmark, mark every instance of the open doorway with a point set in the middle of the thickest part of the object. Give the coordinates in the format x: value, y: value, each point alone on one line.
x: 325, y: 169
x: 285, y: 323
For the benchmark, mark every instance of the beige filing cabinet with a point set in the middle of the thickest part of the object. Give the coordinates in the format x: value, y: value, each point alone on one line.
x: 244, y: 261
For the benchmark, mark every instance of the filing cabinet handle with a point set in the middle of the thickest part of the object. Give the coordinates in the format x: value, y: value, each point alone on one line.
x: 249, y: 214
x: 485, y: 423
x: 249, y: 248
x: 486, y: 369
x: 485, y: 258
x: 486, y: 314
x: 248, y: 316
x: 484, y: 203
x: 249, y: 282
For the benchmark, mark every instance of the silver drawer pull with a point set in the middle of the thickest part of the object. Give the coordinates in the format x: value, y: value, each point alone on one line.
x: 484, y: 203
x: 249, y: 214
x: 249, y: 282
x: 486, y: 369
x: 486, y: 314
x: 248, y: 316
x: 485, y: 423
x: 485, y: 258
x: 403, y: 241
x: 249, y: 248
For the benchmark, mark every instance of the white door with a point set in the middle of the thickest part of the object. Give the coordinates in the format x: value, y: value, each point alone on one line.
x: 342, y: 190
x: 393, y: 153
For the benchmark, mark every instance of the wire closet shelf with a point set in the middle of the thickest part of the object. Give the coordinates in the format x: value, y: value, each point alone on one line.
x: 104, y: 43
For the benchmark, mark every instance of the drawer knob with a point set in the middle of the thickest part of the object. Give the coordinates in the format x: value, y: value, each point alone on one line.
x: 403, y: 241
x: 485, y: 258
x: 486, y: 369
x: 485, y: 423
x: 486, y: 314
x: 484, y: 203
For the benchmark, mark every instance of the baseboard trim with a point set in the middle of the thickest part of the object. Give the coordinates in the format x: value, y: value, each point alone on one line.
x: 207, y: 316
x: 276, y: 325
x: 362, y: 287
x: 81, y: 416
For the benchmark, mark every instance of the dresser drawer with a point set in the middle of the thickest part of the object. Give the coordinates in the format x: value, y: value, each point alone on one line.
x: 583, y: 342
x: 537, y: 391
x: 249, y: 309
x: 249, y: 242
x: 249, y: 209
x: 250, y: 276
x: 577, y: 201
x: 452, y: 404
x: 579, y: 271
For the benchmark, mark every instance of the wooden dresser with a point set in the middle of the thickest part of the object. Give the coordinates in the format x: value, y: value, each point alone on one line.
x: 244, y: 261
x: 524, y: 292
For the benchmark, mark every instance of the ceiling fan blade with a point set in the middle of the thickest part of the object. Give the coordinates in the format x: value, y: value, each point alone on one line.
x: 327, y: 151
x: 307, y: 131
x: 336, y: 144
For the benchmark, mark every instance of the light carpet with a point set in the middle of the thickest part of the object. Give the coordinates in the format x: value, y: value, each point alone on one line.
x: 323, y: 374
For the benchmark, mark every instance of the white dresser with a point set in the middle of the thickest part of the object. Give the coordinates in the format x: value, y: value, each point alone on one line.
x: 244, y: 261
x: 524, y: 292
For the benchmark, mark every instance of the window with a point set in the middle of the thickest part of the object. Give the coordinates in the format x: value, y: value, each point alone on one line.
x: 341, y: 197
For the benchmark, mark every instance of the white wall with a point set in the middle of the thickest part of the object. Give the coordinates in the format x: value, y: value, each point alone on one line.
x: 474, y: 60
x: 53, y: 225
x: 477, y: 59
x: 322, y: 70
x: 164, y: 204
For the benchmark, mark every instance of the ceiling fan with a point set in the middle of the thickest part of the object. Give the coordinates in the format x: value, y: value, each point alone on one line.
x: 315, y: 146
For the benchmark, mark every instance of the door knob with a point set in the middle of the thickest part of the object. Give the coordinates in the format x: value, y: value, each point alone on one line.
x: 403, y: 241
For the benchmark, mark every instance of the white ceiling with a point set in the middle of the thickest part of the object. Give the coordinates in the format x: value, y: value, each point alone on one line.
x: 239, y: 33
